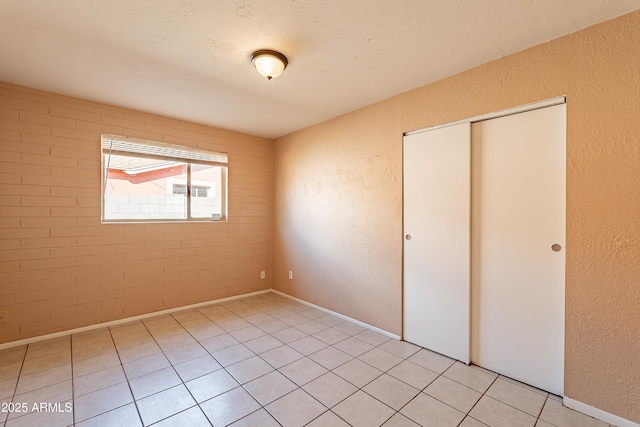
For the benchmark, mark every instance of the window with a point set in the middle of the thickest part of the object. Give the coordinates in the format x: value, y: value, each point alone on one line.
x: 199, y: 191
x: 153, y: 181
x: 196, y: 190
x: 180, y: 189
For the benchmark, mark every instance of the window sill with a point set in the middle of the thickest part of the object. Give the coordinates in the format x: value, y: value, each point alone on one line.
x: 161, y: 221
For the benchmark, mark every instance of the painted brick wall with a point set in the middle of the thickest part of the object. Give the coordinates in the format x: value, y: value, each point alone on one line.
x: 60, y: 268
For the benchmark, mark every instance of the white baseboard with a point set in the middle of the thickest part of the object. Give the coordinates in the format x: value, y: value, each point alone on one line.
x: 125, y: 320
x: 342, y: 316
x: 598, y: 413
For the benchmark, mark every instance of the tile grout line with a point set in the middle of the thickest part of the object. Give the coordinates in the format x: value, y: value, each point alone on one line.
x: 174, y: 371
x: 483, y: 394
x: 546, y: 399
x: 73, y: 396
x: 15, y: 388
x: 127, y: 378
x: 537, y: 418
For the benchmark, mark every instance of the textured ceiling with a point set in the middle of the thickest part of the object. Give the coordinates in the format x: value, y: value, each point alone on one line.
x: 189, y: 59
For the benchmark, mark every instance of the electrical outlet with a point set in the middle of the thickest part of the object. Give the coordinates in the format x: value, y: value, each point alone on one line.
x: 4, y: 316
x: 290, y: 275
x: 263, y: 274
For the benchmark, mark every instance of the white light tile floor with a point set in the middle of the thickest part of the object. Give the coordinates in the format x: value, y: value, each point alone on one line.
x: 258, y: 361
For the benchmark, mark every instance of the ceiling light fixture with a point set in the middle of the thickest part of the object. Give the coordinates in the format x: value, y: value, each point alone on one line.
x: 269, y: 63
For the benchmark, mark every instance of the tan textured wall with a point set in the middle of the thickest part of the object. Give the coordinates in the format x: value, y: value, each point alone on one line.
x: 338, y: 199
x: 61, y: 269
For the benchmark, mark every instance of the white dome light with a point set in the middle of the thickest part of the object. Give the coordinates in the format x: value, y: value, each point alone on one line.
x: 269, y: 63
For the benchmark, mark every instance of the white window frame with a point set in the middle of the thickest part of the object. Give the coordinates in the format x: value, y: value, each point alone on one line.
x: 134, y: 147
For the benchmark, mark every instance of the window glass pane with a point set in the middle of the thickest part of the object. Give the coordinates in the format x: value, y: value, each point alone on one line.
x: 139, y: 188
x: 206, y: 194
x: 146, y: 180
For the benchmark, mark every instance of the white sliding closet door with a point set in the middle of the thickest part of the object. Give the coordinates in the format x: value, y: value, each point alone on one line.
x: 518, y: 239
x: 436, y: 245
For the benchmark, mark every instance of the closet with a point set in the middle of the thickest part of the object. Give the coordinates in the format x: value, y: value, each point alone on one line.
x: 484, y: 230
